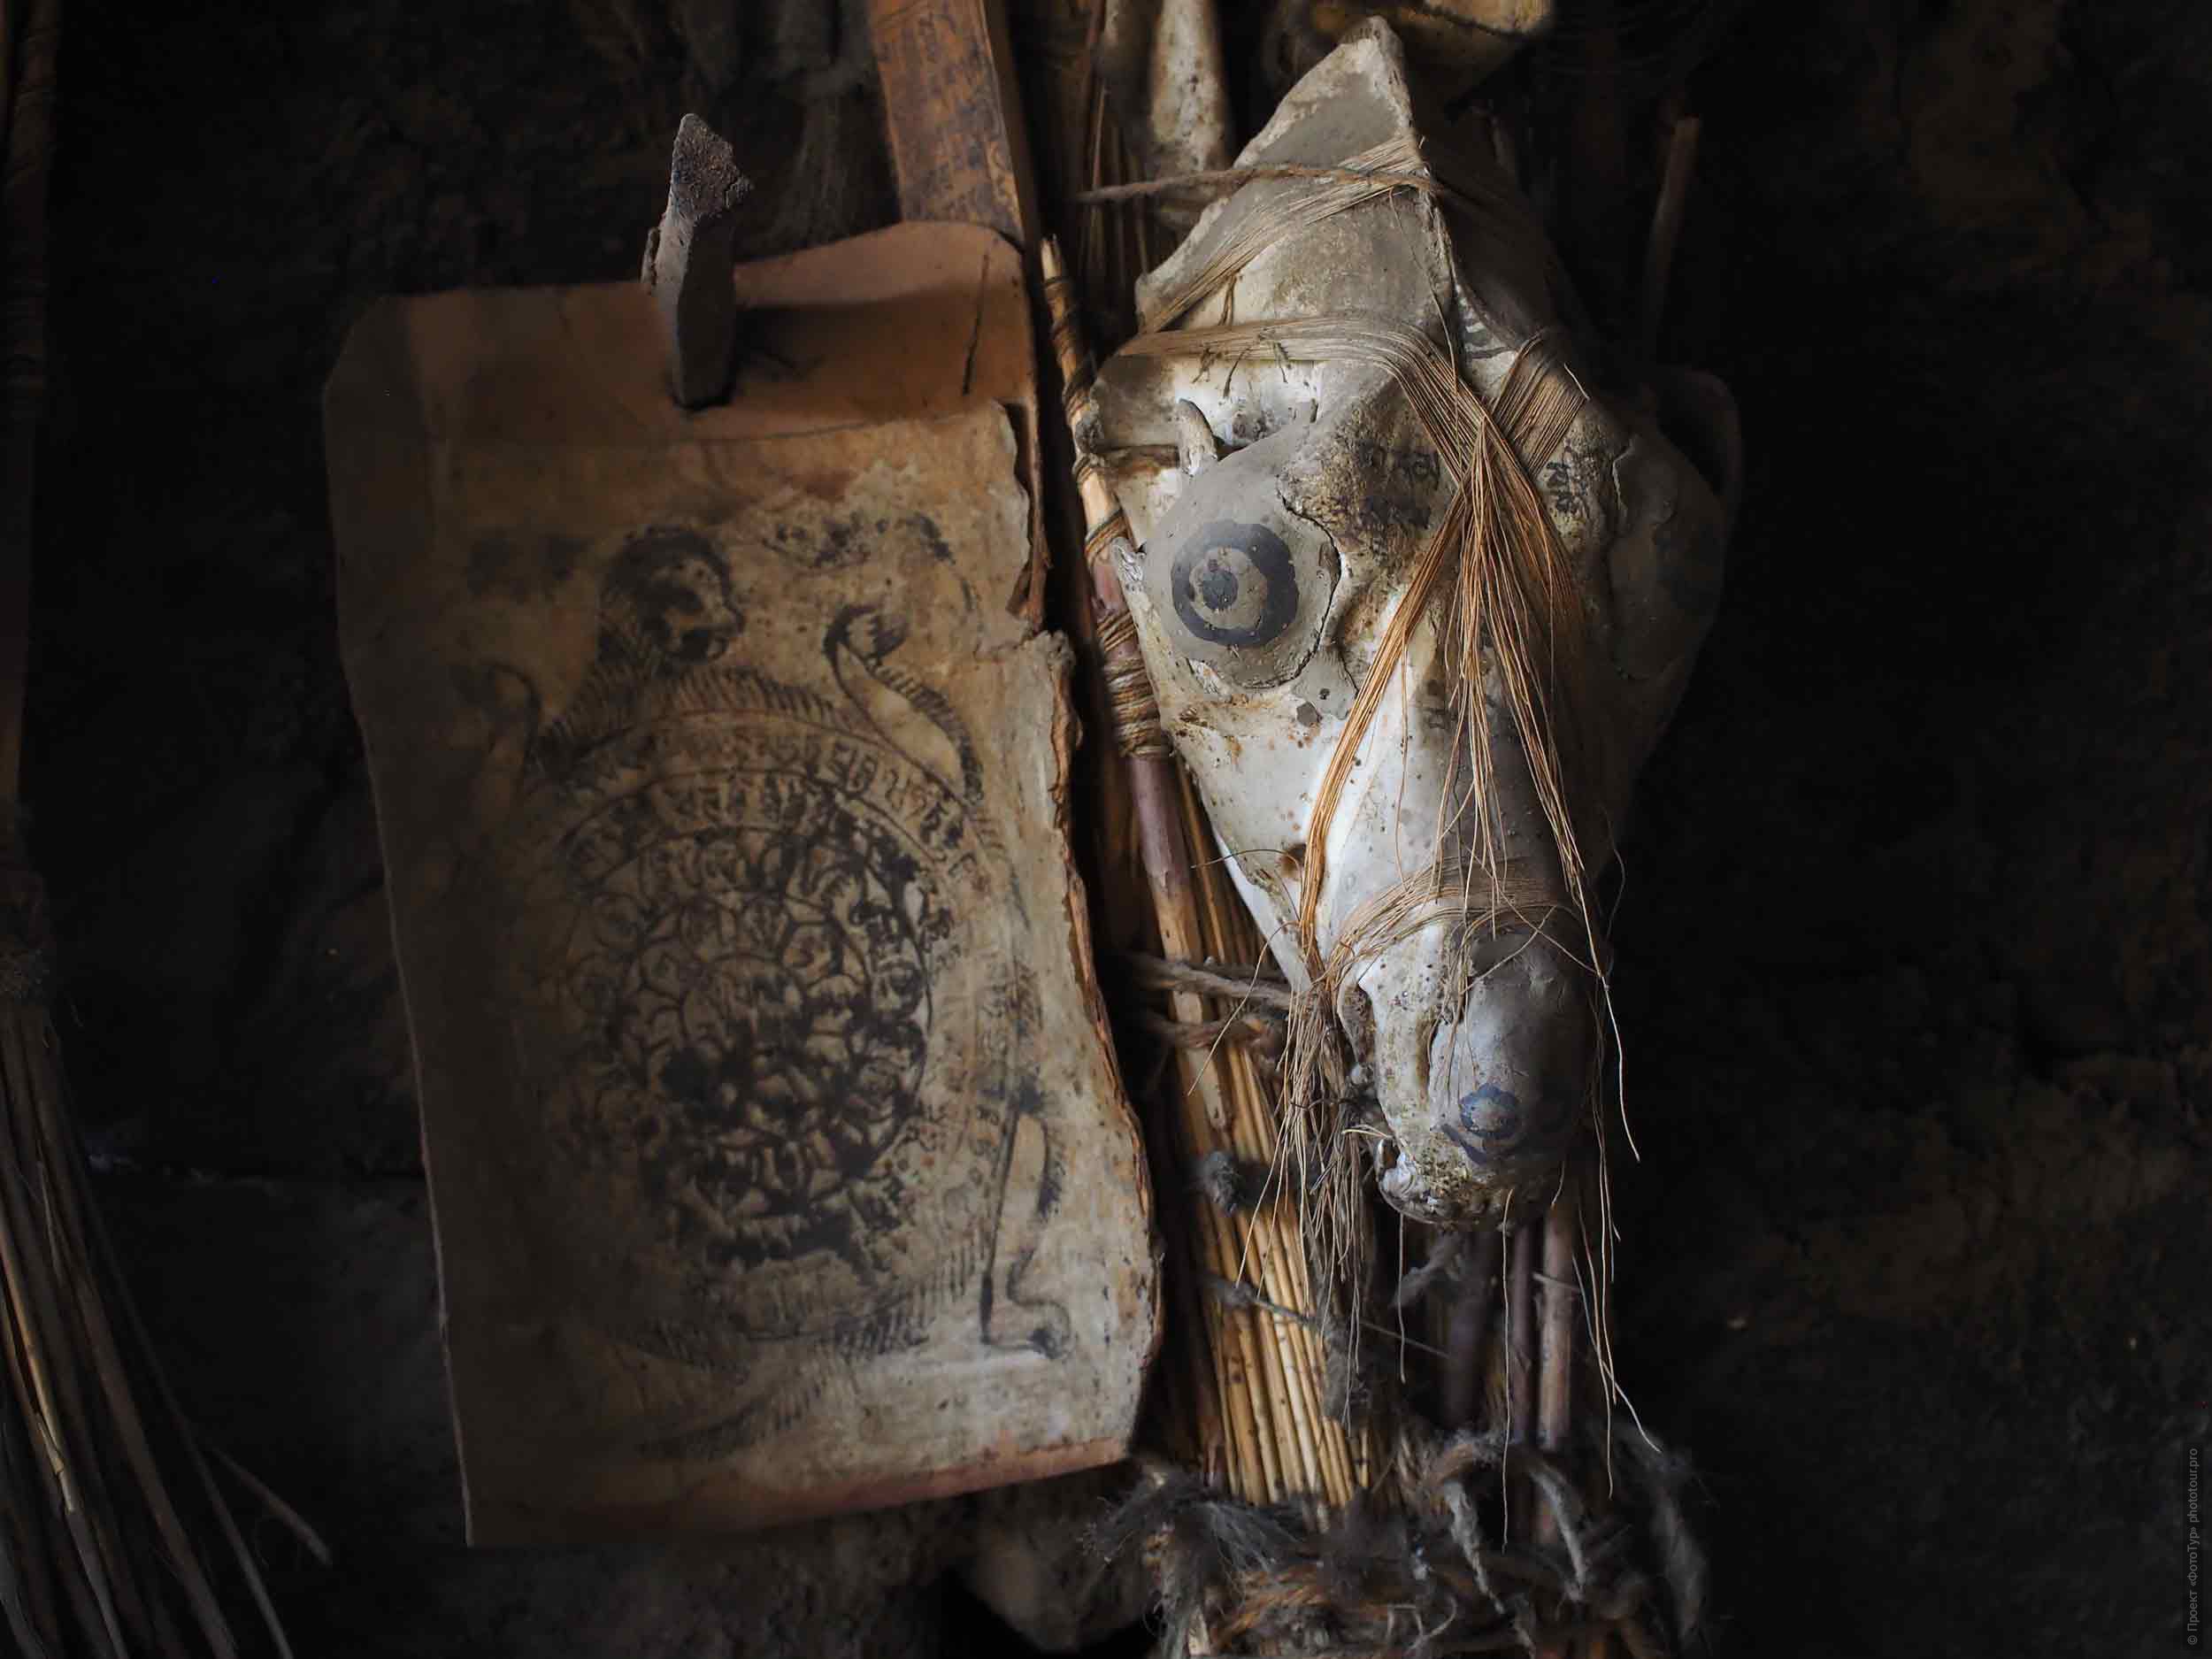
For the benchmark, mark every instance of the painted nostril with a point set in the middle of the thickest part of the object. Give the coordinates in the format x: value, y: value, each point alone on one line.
x: 1493, y: 1119
x: 1496, y: 1127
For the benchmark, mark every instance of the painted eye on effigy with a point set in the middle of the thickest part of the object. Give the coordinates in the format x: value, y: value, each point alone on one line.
x: 1234, y: 584
x: 1243, y: 585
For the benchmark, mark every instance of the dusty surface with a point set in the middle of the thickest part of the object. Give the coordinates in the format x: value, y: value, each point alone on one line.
x: 1914, y: 952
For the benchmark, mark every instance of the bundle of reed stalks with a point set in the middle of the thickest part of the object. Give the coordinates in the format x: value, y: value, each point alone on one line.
x: 104, y: 1492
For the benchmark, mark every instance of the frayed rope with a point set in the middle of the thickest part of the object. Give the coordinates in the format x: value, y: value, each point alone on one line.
x: 1431, y: 1578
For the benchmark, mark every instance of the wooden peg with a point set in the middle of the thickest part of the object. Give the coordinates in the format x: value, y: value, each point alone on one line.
x: 688, y: 257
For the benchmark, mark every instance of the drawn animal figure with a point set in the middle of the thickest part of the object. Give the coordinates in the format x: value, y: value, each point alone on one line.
x: 1417, y: 603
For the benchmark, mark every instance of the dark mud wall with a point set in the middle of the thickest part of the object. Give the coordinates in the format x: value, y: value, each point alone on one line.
x: 1916, y: 943
x: 1912, y: 950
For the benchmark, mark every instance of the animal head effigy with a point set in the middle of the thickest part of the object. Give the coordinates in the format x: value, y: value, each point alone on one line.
x: 1417, y: 601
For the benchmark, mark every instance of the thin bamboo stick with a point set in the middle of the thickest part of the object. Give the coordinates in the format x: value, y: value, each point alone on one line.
x: 1167, y: 872
x: 76, y: 1588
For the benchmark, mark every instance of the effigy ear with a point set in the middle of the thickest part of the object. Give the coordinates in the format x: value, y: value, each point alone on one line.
x: 1197, y: 447
x: 1699, y: 413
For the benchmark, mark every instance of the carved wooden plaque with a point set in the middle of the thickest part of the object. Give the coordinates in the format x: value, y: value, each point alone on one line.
x: 778, y: 1157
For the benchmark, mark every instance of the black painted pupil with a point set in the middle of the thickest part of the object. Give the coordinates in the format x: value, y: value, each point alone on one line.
x: 1217, y: 586
x: 1233, y: 584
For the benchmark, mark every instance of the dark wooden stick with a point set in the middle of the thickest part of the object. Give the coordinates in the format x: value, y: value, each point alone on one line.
x: 30, y: 151
x: 1477, y: 1293
x: 1556, y: 1338
x: 1163, y: 851
x: 1595, y: 227
x: 1520, y: 1348
x: 1666, y: 231
x: 688, y: 257
x: 1157, y: 791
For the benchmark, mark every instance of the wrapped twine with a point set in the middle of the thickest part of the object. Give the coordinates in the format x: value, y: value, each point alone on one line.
x: 1130, y: 704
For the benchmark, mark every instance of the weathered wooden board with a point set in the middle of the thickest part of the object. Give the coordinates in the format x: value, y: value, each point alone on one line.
x: 953, y: 113
x: 721, y: 770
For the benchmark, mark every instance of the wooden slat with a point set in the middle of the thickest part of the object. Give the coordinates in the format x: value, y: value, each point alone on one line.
x: 952, y: 105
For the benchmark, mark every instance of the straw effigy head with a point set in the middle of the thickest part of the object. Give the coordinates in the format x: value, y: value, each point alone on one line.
x: 1417, y: 599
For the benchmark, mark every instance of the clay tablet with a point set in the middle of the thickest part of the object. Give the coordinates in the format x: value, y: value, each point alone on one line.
x: 777, y: 1156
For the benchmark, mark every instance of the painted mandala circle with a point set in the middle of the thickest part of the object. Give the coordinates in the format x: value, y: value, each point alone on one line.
x: 785, y: 1100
